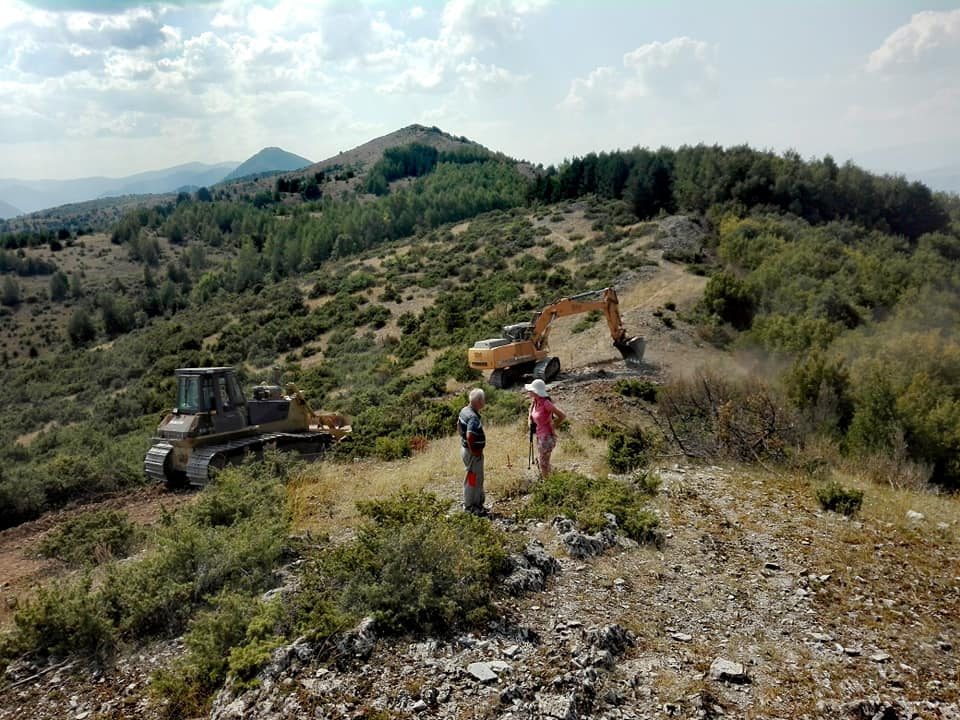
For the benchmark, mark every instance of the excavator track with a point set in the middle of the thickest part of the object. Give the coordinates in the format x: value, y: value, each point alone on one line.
x: 217, y: 456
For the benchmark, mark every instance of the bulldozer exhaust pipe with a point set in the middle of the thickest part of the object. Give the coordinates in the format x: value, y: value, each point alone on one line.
x: 631, y: 350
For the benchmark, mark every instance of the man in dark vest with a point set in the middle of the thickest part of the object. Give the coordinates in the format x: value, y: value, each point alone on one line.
x: 472, y: 442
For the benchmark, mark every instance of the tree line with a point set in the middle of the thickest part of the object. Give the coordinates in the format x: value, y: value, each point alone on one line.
x: 714, y: 179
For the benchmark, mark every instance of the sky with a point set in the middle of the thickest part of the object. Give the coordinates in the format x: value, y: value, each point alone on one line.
x: 110, y: 87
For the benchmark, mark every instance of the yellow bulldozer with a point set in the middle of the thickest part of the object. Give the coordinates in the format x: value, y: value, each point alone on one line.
x: 213, y: 425
x: 523, y: 349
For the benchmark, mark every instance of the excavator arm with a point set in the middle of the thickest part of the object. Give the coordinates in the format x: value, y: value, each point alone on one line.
x: 603, y: 300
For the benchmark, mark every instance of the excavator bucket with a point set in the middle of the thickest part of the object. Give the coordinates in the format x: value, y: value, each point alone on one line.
x: 631, y: 350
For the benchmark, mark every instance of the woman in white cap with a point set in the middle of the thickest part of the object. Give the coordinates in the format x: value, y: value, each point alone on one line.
x: 543, y: 414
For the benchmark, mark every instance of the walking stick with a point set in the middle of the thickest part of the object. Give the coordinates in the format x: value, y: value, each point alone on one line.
x: 533, y: 430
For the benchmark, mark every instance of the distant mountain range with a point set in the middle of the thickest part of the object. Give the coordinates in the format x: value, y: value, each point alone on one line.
x: 8, y: 211
x: 27, y: 196
x: 32, y: 195
x: 270, y: 159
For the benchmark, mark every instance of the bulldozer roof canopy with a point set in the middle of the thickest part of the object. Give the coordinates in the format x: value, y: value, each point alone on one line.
x: 202, y: 371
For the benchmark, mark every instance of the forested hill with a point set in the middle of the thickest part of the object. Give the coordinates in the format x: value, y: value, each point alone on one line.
x: 717, y: 180
x: 833, y: 269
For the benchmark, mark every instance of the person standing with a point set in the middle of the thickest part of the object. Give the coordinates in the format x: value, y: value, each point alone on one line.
x: 543, y: 414
x: 472, y: 443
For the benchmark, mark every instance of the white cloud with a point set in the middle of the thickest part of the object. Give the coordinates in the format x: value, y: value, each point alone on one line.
x: 451, y: 59
x: 679, y: 68
x: 929, y: 38
x: 468, y: 26
x: 416, y: 12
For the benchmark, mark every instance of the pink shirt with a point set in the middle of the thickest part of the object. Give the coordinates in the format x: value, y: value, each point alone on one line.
x: 542, y: 415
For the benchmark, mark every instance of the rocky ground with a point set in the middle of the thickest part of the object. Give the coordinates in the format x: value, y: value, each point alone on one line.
x: 757, y: 604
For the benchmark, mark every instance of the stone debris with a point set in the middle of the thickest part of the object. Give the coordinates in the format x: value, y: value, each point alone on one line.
x: 682, y: 238
x: 567, y: 653
x: 613, y: 638
x: 582, y: 545
x: 482, y: 672
x: 531, y: 568
x: 359, y: 642
x: 728, y: 671
x: 557, y: 707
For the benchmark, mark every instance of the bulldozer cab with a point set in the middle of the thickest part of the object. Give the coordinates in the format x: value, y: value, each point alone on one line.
x: 212, y: 391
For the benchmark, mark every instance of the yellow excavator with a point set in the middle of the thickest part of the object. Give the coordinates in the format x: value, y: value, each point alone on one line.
x: 523, y: 349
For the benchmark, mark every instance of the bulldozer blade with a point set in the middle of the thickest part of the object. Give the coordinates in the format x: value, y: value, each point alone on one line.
x: 632, y: 351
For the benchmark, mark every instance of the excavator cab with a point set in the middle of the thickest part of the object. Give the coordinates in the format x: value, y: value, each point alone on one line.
x: 518, y: 332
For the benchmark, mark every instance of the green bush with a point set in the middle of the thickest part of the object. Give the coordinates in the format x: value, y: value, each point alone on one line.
x: 231, y: 538
x: 416, y: 568
x: 189, y: 684
x: 586, y: 500
x: 63, y: 618
x: 627, y: 450
x: 729, y: 299
x: 91, y: 538
x: 587, y: 321
x: 387, y: 448
x: 643, y: 389
x: 836, y: 498
x: 603, y: 430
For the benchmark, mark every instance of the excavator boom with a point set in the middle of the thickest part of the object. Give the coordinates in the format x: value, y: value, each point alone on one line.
x: 605, y: 301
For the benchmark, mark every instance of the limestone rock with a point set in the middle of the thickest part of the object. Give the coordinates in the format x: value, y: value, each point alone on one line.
x: 482, y: 672
x: 359, y: 642
x: 728, y: 671
x: 559, y: 707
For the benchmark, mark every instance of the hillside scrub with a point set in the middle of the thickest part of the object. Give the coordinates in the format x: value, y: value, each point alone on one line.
x: 588, y: 500
x: 414, y: 567
x: 866, y: 319
x: 227, y: 291
x: 231, y: 538
x: 91, y: 538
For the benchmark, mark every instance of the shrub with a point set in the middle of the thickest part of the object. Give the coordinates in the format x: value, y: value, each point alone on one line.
x: 713, y: 416
x: 387, y: 448
x: 192, y: 680
x: 626, y: 450
x: 602, y: 430
x: 643, y: 389
x: 453, y: 363
x: 587, y: 500
x: 836, y: 498
x: 230, y: 538
x: 729, y: 299
x: 91, y: 538
x: 587, y: 321
x: 416, y: 568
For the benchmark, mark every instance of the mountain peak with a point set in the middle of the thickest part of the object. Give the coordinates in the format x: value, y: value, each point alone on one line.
x: 269, y: 159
